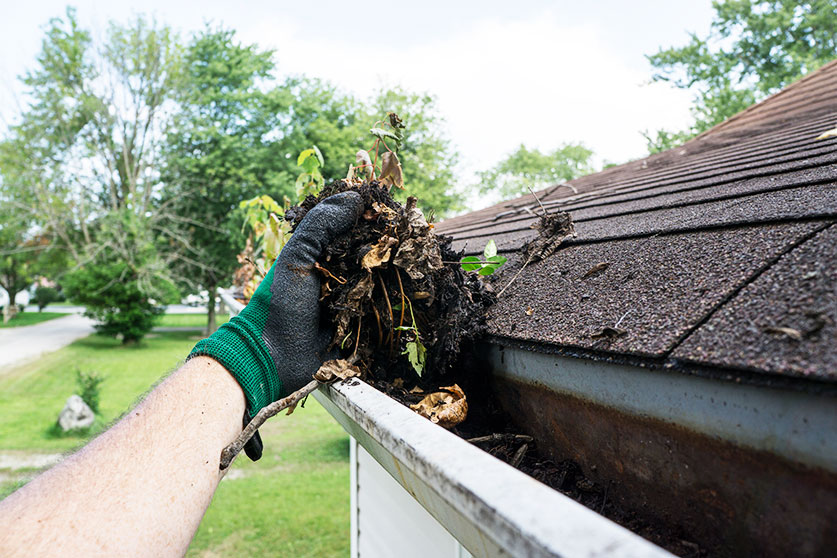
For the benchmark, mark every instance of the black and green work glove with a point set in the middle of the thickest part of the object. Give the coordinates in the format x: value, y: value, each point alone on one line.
x: 277, y: 342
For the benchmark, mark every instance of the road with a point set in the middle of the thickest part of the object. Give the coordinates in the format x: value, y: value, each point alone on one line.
x: 20, y: 344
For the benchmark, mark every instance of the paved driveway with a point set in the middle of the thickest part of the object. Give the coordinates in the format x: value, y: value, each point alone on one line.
x: 19, y: 344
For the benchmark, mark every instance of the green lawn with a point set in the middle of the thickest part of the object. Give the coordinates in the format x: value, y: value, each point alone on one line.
x: 31, y: 318
x: 188, y: 320
x: 293, y: 502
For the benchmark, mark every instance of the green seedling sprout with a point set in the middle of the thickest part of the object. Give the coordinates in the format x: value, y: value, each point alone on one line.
x: 310, y: 181
x: 415, y: 350
x: 491, y: 262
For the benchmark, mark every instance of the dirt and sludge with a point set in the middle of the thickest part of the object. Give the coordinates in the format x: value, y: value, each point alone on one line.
x: 407, y: 314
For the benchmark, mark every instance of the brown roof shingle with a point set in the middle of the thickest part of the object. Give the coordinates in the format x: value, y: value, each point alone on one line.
x: 701, y: 243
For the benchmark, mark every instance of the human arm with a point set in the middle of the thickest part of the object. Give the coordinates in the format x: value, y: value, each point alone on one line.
x: 142, y: 487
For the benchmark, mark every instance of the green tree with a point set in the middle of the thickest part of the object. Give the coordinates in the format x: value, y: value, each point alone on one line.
x: 529, y: 168
x: 218, y: 153
x: 96, y: 119
x: 21, y: 247
x: 754, y: 49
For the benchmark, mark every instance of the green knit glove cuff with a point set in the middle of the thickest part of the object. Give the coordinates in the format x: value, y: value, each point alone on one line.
x: 238, y: 346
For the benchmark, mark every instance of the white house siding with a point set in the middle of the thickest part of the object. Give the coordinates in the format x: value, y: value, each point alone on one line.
x: 387, y: 521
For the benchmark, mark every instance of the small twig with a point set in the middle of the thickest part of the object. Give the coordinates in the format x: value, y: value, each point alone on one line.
x: 329, y: 274
x: 357, y: 341
x: 498, y: 437
x: 516, y: 275
x: 401, y: 321
x: 537, y: 200
x: 257, y: 267
x: 625, y: 315
x: 380, y: 329
x: 519, y: 455
x: 389, y: 307
x: 229, y: 452
x: 604, y: 500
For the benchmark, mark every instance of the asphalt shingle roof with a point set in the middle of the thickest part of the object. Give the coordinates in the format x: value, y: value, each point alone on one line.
x: 710, y: 247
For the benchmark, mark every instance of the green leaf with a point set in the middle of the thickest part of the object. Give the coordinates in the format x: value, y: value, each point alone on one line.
x: 319, y: 155
x: 499, y: 260
x: 304, y: 155
x: 470, y: 263
x: 416, y: 353
x: 488, y: 270
x: 380, y: 133
x: 490, y: 249
x: 309, y: 165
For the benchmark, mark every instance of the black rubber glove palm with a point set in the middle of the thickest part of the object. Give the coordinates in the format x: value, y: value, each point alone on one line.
x: 277, y: 342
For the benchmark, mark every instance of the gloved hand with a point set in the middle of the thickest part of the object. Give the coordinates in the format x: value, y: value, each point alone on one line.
x: 274, y: 346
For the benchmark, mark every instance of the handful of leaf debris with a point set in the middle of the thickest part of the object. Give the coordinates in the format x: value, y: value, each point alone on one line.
x: 399, y: 301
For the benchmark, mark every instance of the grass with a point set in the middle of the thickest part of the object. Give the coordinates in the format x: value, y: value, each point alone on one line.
x: 30, y: 318
x: 188, y: 320
x: 294, y: 501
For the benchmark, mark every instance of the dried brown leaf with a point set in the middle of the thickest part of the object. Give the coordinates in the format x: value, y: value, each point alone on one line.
x: 337, y: 369
x: 446, y: 408
x: 391, y: 173
x: 380, y: 253
x: 419, y: 256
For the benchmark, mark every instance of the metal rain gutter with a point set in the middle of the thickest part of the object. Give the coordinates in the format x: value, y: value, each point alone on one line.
x: 491, y: 508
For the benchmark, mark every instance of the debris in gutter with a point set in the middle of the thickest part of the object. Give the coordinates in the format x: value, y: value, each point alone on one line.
x: 401, y: 304
x: 447, y: 407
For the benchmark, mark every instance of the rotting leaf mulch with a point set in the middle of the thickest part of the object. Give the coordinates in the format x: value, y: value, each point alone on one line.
x: 392, y: 282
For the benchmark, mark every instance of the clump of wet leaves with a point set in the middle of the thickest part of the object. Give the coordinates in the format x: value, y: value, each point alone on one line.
x: 395, y: 292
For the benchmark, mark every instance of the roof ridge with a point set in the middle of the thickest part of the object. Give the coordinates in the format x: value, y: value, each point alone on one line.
x: 769, y: 99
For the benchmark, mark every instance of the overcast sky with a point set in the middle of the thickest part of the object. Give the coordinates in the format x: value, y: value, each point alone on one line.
x: 504, y: 72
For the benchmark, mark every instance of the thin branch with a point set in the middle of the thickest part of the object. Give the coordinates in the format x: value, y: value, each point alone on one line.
x: 516, y: 275
x: 229, y: 452
x: 537, y: 200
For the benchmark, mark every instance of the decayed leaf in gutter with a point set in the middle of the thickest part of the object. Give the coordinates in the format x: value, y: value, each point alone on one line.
x: 379, y: 254
x: 391, y: 173
x: 363, y: 160
x: 337, y: 369
x: 446, y: 408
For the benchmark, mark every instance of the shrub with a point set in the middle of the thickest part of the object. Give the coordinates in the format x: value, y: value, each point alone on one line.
x: 112, y: 296
x: 45, y: 296
x: 88, y: 387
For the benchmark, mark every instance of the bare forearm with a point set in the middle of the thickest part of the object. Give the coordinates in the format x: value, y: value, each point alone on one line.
x: 142, y: 487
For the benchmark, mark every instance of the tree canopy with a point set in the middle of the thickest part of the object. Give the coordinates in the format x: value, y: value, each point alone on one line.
x: 529, y: 168
x: 754, y: 49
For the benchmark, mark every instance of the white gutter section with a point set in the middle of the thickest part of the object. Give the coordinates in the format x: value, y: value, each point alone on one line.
x: 490, y: 507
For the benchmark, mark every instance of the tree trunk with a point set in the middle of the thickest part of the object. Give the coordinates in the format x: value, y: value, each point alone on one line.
x: 10, y: 310
x: 212, y: 289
